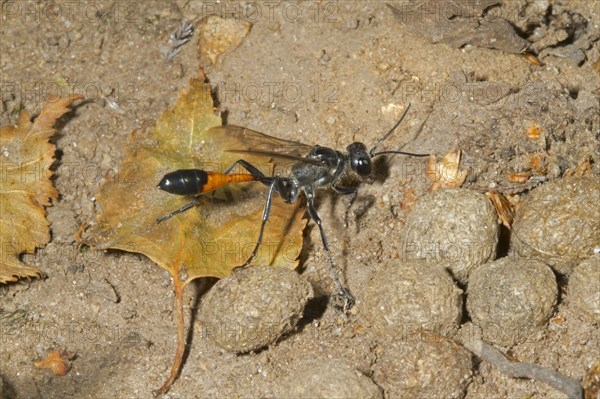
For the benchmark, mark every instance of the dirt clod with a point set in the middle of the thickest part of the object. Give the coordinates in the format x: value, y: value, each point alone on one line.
x: 331, y: 378
x: 559, y: 222
x: 391, y: 299
x: 511, y: 298
x: 454, y: 228
x: 254, y: 307
x: 425, y: 366
x: 584, y: 288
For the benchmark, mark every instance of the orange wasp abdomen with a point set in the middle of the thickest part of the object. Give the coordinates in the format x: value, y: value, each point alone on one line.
x: 216, y: 180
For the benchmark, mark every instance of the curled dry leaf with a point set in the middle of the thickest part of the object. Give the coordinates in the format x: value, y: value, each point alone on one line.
x: 57, y: 361
x: 447, y: 173
x: 504, y: 208
x: 533, y: 59
x: 25, y: 186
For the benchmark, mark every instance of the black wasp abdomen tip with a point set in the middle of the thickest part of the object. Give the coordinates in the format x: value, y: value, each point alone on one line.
x: 184, y: 182
x: 165, y: 183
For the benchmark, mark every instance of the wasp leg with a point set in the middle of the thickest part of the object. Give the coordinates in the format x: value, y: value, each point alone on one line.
x: 265, y: 218
x: 344, y: 190
x: 180, y: 210
x: 347, y: 300
x: 253, y: 170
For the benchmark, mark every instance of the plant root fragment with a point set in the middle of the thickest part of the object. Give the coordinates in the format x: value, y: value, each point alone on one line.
x: 493, y: 356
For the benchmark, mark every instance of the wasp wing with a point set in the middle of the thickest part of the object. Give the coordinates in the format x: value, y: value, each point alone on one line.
x: 241, y: 140
x: 278, y: 156
x: 248, y: 139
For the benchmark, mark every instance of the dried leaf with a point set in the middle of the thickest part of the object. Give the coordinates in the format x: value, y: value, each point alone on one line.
x: 209, y: 240
x: 219, y: 36
x: 582, y: 169
x: 504, y: 208
x: 536, y: 165
x: 518, y: 177
x: 25, y: 186
x: 533, y: 59
x: 408, y: 199
x: 533, y: 132
x: 446, y: 174
x: 57, y: 361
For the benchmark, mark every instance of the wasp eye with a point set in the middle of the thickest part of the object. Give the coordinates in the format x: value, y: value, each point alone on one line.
x: 362, y: 166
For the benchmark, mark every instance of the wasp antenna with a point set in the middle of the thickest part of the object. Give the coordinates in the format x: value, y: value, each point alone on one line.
x: 412, y: 154
x: 372, y: 152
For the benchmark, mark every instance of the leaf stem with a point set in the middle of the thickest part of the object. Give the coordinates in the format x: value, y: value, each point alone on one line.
x: 179, y: 287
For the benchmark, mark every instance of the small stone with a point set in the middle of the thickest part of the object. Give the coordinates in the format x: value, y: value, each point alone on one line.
x: 511, y: 299
x: 254, y: 307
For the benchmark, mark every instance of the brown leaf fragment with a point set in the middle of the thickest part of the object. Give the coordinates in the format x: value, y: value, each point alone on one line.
x: 57, y: 361
x: 521, y: 177
x: 504, y: 208
x: 536, y: 165
x: 581, y: 170
x: 447, y: 173
x: 408, y: 199
x: 533, y: 59
x: 25, y: 186
x: 219, y: 36
x: 533, y: 132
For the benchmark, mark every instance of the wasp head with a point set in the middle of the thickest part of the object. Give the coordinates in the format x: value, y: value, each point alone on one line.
x: 359, y: 158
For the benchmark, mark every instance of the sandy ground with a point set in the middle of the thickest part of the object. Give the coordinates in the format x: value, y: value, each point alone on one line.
x: 318, y: 72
